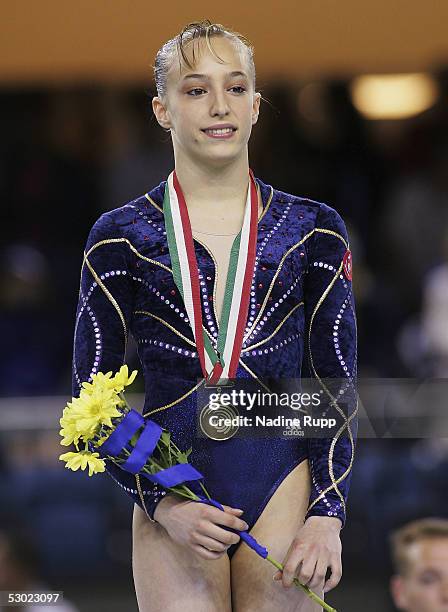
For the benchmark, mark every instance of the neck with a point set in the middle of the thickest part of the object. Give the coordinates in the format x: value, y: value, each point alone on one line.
x: 209, y: 188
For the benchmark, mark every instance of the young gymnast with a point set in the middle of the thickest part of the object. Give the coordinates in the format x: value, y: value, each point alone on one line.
x: 266, y: 288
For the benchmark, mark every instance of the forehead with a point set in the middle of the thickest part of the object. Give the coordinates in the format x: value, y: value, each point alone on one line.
x: 429, y: 552
x: 232, y: 54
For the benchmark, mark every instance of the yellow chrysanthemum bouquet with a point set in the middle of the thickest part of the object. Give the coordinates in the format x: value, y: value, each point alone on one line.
x: 89, y: 420
x: 102, y: 426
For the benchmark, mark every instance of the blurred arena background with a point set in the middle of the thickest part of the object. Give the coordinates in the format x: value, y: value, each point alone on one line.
x: 356, y: 116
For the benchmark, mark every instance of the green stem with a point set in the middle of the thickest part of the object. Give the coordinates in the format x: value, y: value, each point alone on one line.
x: 307, y: 590
x: 205, y: 490
x: 175, y: 446
x: 122, y: 396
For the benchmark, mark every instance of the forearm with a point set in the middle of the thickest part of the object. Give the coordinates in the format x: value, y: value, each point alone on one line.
x: 162, y: 508
x: 145, y: 494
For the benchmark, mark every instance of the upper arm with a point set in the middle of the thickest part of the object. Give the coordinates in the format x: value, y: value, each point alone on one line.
x: 330, y: 319
x: 105, y: 303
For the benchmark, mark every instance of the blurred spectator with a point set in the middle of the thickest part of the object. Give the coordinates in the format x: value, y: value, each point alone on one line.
x: 420, y: 556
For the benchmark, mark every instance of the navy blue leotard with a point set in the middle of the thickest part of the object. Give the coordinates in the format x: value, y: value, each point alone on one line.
x: 301, y: 321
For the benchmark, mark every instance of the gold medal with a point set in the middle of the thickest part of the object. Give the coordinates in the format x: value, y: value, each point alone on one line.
x: 219, y: 421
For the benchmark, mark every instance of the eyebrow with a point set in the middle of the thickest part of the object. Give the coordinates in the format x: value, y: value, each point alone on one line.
x: 235, y: 73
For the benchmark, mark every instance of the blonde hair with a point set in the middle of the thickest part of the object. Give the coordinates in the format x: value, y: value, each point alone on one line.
x: 195, y: 31
x: 422, y: 529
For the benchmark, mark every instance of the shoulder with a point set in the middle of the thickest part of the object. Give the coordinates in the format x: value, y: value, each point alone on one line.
x: 319, y: 212
x: 324, y: 215
x: 313, y: 213
x: 121, y: 221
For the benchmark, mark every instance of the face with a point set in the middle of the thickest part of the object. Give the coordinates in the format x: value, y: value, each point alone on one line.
x: 202, y: 99
x: 425, y: 586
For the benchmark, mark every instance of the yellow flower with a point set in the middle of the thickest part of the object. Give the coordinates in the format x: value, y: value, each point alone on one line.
x: 122, y: 378
x: 91, y: 410
x: 97, y: 404
x: 98, y: 380
x: 74, y: 461
x: 107, y: 381
x: 68, y: 424
x: 69, y: 434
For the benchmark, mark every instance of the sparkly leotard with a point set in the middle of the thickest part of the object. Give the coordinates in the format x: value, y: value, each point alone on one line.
x: 301, y: 322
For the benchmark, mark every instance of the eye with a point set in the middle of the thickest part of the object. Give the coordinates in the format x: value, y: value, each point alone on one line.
x: 196, y: 89
x: 241, y: 89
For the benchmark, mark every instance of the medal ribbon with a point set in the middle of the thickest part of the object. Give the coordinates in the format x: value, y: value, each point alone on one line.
x: 223, y: 362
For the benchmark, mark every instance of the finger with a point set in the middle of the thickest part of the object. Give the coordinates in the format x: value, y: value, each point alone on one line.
x: 277, y: 575
x: 205, y: 553
x: 293, y: 561
x: 229, y: 520
x: 320, y: 571
x: 211, y: 543
x: 306, y: 571
x: 218, y: 533
x: 336, y: 573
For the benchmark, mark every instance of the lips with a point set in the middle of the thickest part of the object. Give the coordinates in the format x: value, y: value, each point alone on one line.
x: 220, y: 131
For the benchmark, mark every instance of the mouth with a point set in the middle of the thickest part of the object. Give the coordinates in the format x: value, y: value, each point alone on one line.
x: 220, y: 133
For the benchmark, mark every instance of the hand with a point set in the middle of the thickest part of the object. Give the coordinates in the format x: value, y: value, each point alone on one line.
x: 316, y: 547
x: 195, y: 525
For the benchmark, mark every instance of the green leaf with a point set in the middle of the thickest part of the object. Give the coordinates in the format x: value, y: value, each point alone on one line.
x: 165, y: 438
x: 152, y: 468
x: 164, y: 459
x: 182, y: 457
x: 175, y: 452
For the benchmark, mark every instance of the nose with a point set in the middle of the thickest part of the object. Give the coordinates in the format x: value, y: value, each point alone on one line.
x: 219, y: 104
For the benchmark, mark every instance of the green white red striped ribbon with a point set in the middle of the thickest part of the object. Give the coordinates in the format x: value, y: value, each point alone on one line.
x: 223, y: 362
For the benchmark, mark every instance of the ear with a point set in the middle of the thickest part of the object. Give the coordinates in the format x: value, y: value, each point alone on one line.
x: 256, y: 107
x: 398, y: 591
x: 161, y: 112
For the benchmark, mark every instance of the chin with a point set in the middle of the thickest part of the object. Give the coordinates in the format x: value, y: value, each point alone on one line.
x: 223, y: 160
x: 217, y: 158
